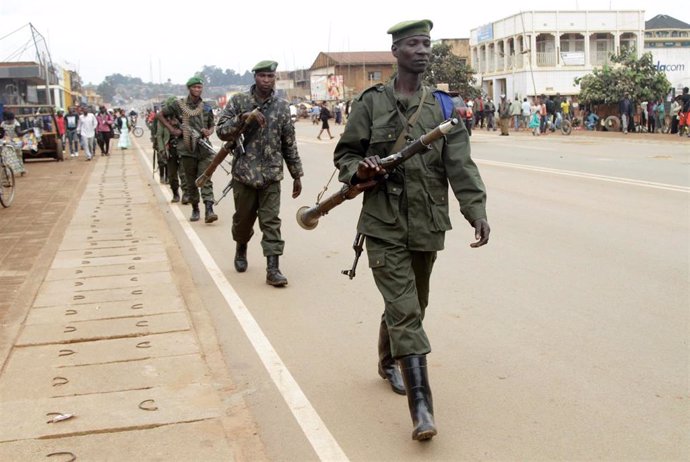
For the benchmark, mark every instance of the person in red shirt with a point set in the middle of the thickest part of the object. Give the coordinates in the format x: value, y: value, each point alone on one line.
x: 60, y: 124
x: 104, y: 130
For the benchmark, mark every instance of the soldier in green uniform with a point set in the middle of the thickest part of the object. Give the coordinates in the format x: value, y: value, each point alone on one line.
x: 167, y: 145
x: 257, y: 168
x: 195, y: 124
x: 404, y: 219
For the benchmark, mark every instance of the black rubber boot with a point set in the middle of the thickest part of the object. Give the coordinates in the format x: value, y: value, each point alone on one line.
x: 388, y: 370
x: 176, y: 196
x: 195, y: 212
x: 210, y: 214
x: 419, y: 399
x: 273, y: 275
x: 185, y: 198
x: 241, y: 258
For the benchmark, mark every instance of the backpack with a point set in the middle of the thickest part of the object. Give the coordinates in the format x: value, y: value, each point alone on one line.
x: 446, y: 103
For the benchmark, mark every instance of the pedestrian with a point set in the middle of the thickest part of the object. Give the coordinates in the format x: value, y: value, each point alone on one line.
x: 87, y: 131
x: 404, y: 220
x: 12, y: 134
x: 504, y: 115
x: 60, y: 128
x: 675, y: 109
x: 71, y: 124
x: 104, y: 130
x: 489, y: 114
x: 625, y: 107
x: 123, y: 126
x: 338, y: 111
x: 684, y: 114
x: 479, y: 112
x: 324, y: 115
x: 651, y: 117
x: 526, y: 113
x: 565, y: 109
x: 196, y: 124
x: 516, y: 113
x: 660, y: 114
x: 543, y: 115
x: 257, y: 172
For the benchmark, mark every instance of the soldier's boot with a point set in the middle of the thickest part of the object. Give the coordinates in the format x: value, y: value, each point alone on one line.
x: 195, y: 212
x: 241, y: 257
x: 161, y: 174
x: 273, y: 275
x: 185, y: 198
x: 388, y: 370
x: 210, y: 214
x: 176, y: 195
x: 414, y: 373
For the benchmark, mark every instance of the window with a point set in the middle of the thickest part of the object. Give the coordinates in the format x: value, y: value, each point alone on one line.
x: 376, y: 75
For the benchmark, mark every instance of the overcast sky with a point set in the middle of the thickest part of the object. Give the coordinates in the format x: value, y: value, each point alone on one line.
x: 151, y: 40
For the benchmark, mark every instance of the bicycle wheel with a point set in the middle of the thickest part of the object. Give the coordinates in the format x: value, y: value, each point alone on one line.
x: 138, y: 132
x: 6, y: 185
x: 566, y: 127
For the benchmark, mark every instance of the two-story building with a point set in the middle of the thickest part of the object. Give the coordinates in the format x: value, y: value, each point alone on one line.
x: 542, y: 52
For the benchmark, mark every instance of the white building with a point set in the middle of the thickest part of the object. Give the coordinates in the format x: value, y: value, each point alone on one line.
x: 668, y: 39
x: 542, y: 52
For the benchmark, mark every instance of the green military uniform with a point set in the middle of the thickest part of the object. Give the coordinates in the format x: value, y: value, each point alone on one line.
x: 167, y: 145
x: 405, y: 218
x: 192, y: 118
x: 258, y: 171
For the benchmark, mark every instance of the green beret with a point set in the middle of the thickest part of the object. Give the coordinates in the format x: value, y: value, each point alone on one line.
x: 410, y: 28
x: 265, y: 66
x: 194, y: 81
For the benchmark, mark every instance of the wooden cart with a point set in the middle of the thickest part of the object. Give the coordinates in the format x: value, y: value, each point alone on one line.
x: 41, y: 118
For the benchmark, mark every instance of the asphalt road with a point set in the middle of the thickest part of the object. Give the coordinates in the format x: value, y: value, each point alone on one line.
x: 564, y: 338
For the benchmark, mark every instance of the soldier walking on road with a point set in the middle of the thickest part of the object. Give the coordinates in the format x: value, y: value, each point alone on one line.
x: 404, y: 220
x: 257, y: 168
x: 195, y: 122
x: 166, y: 146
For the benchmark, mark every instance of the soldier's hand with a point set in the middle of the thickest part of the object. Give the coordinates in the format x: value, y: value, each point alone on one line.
x: 175, y: 132
x: 481, y: 232
x: 369, y: 168
x: 206, y: 132
x: 260, y: 119
x: 296, y: 188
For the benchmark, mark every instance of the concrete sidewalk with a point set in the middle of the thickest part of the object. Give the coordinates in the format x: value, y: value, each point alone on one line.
x: 116, y: 337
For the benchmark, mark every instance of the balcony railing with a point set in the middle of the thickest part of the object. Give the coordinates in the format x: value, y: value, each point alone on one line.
x: 599, y: 58
x: 546, y: 59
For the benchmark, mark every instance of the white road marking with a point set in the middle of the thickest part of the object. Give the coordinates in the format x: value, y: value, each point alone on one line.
x: 320, y: 438
x: 591, y: 176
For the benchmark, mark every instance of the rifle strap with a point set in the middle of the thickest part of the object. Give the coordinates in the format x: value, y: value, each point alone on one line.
x: 408, y: 124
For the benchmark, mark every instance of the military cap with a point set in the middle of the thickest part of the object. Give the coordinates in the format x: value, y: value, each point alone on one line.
x: 265, y: 66
x: 410, y: 28
x: 194, y: 81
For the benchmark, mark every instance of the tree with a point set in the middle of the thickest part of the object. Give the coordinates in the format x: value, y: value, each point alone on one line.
x: 445, y: 67
x: 628, y: 74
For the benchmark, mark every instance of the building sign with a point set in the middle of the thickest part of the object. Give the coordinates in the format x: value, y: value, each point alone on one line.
x: 675, y: 63
x: 573, y: 58
x: 484, y: 33
x: 326, y: 87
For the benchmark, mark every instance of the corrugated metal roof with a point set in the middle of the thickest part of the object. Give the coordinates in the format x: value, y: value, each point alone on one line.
x: 663, y: 21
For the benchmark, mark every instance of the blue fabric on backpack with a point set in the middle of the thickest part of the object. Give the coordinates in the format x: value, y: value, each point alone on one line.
x: 447, y: 106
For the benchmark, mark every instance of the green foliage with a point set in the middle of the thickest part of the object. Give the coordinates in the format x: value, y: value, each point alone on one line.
x: 638, y: 77
x: 445, y: 67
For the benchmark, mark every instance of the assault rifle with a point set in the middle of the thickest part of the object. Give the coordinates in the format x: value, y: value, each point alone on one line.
x: 232, y: 138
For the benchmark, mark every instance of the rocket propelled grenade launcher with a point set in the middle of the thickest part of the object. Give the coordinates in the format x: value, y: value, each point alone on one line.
x: 308, y: 217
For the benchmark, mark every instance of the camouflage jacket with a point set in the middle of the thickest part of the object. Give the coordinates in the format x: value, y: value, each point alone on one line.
x: 186, y: 145
x: 411, y: 207
x: 265, y: 148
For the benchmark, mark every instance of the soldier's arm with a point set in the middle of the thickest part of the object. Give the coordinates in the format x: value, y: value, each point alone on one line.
x: 354, y: 143
x: 229, y: 120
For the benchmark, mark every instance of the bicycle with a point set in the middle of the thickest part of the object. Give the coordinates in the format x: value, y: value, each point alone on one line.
x: 138, y: 132
x: 6, y: 180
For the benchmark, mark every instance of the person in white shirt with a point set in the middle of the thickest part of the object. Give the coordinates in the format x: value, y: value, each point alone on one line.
x: 87, y: 130
x: 526, y: 113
